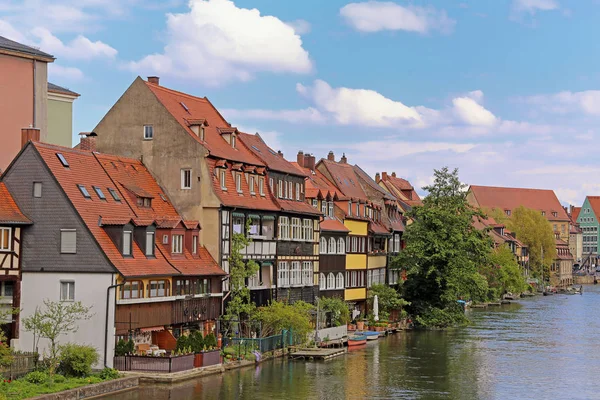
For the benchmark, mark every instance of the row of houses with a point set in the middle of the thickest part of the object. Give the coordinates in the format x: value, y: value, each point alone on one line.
x: 137, y: 220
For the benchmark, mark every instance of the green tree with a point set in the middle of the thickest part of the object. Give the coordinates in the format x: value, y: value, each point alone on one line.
x: 337, y: 307
x: 388, y: 299
x: 443, y: 253
x: 240, y: 270
x: 503, y: 273
x: 278, y: 316
x: 533, y: 229
x: 58, y: 318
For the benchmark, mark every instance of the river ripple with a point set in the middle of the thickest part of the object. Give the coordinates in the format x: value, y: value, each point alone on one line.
x: 540, y: 348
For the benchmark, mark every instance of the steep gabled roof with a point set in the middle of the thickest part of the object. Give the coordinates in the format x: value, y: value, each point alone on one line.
x: 10, y: 213
x: 594, y: 202
x: 401, y: 188
x: 371, y: 183
x: 504, y: 198
x: 318, y: 183
x: 272, y: 159
x: 345, y: 179
x: 184, y: 107
x: 575, y: 213
x: 14, y: 47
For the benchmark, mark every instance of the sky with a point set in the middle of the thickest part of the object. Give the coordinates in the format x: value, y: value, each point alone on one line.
x: 507, y: 91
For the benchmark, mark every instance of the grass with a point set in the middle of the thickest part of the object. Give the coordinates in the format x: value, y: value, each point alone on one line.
x: 21, y: 389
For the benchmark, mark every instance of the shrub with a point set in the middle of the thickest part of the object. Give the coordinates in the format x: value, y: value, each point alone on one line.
x: 36, y: 377
x: 59, y: 379
x: 196, y: 341
x: 77, y: 360
x: 108, y: 374
x: 210, y: 341
x: 124, y: 347
x: 182, y: 343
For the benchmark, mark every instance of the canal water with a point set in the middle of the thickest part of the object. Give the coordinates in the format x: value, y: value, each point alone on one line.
x: 538, y: 348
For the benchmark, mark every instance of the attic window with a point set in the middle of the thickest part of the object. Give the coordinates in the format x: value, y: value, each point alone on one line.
x: 184, y: 106
x: 554, y: 214
x: 99, y: 192
x: 256, y: 148
x: 272, y: 152
x: 233, y: 141
x: 114, y: 194
x: 62, y: 159
x: 162, y: 196
x: 145, y: 202
x: 507, y: 212
x: 544, y: 213
x: 84, y: 191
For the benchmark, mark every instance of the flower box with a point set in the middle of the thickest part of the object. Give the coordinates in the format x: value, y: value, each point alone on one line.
x: 207, y: 358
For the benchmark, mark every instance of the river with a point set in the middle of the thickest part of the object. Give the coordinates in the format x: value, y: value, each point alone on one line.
x: 538, y: 348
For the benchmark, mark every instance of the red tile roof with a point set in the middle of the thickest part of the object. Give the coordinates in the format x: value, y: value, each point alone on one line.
x: 185, y: 107
x: 232, y: 198
x: 503, y: 198
x: 9, y: 211
x: 575, y: 213
x: 345, y: 179
x: 104, y: 171
x: 333, y: 225
x: 317, y: 184
x: 192, y: 265
x: 297, y: 207
x: 402, y: 188
x: 270, y: 157
x: 378, y: 228
x: 595, y: 204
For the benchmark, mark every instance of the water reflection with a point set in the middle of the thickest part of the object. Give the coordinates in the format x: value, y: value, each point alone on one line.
x: 542, y: 348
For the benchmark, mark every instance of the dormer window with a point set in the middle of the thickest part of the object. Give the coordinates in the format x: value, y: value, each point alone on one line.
x: 297, y: 191
x: 315, y: 203
x: 127, y: 235
x: 222, y: 179
x: 544, y: 213
x: 252, y: 185
x: 149, y: 244
x: 177, y: 247
x: 145, y: 202
x: 290, y: 190
x: 238, y: 182
x: 279, y: 188
x: 233, y: 140
x: 323, y: 207
x: 554, y: 214
x: 331, y: 209
x: 507, y: 212
x: 195, y: 244
x: 261, y: 185
x: 350, y: 208
x: 201, y: 134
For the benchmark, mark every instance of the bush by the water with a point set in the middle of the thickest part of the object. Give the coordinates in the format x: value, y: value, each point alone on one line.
x: 37, y: 377
x: 77, y: 360
x: 109, y: 373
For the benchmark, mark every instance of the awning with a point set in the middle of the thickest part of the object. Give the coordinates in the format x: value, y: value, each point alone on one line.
x: 153, y: 329
x: 268, y: 218
x: 266, y: 264
x: 238, y: 214
x: 254, y: 216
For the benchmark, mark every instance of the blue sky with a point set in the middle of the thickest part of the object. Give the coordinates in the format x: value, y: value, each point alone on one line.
x: 505, y: 90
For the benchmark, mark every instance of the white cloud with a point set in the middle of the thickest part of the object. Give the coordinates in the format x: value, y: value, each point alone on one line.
x: 67, y: 73
x: 469, y: 110
x: 217, y: 42
x: 532, y: 6
x: 300, y: 26
x: 8, y: 31
x: 375, y: 16
x: 309, y: 114
x: 359, y: 106
x: 80, y: 48
x: 566, y: 102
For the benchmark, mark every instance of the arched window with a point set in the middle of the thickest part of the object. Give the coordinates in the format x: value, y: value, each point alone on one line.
x: 322, y: 282
x: 339, y: 280
x: 331, y: 246
x: 330, y: 281
x: 323, y: 245
x: 341, y: 246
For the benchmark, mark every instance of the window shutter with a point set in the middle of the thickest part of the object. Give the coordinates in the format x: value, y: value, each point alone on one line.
x: 68, y: 241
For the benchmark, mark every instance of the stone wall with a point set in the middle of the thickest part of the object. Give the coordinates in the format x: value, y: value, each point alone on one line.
x: 97, y: 389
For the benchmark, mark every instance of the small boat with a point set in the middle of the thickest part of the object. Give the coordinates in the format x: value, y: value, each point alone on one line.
x: 356, y: 340
x: 371, y: 335
x: 548, y: 294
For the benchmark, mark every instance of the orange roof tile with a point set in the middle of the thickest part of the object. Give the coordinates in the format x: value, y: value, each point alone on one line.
x: 185, y: 107
x: 270, y: 157
x: 345, y: 179
x: 317, y: 182
x: 9, y: 211
x: 378, y: 228
x: 595, y: 204
x: 297, y: 207
x: 193, y: 265
x: 575, y: 213
x: 504, y: 198
x: 334, y: 225
x: 402, y: 189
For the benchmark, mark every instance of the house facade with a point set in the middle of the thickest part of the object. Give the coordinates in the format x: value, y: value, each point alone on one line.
x: 12, y: 222
x: 588, y: 221
x: 113, y: 241
x: 60, y: 115
x: 23, y: 102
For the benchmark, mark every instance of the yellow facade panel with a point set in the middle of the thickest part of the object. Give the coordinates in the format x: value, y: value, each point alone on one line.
x: 356, y: 261
x: 355, y: 294
x: 357, y: 227
x: 377, y: 261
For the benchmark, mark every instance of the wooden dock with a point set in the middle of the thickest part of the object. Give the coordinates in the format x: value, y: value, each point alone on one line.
x: 312, y: 354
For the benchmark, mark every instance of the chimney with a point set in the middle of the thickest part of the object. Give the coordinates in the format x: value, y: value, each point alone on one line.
x: 309, y: 161
x: 87, y: 142
x: 377, y: 177
x: 384, y: 176
x: 29, y: 134
x: 331, y: 156
x: 300, y: 159
x: 344, y: 160
x: 280, y: 153
x: 154, y: 79
x: 393, y: 174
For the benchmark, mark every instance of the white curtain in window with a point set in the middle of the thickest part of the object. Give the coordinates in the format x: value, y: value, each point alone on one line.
x: 330, y: 281
x: 322, y: 282
x: 331, y: 246
x: 341, y: 246
x: 323, y: 249
x: 339, y: 280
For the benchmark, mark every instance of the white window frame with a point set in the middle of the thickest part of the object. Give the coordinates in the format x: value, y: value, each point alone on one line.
x: 5, y: 232
x: 290, y: 194
x: 186, y: 178
x: 233, y: 140
x: 323, y: 245
x: 349, y: 208
x: 252, y: 191
x: 315, y: 203
x: 339, y: 281
x: 332, y: 246
x: 63, y: 234
x: 70, y: 291
x: 307, y: 273
x: 37, y: 189
x: 296, y: 274
x: 330, y: 209
x: 150, y: 243
x: 194, y: 244
x: 223, y: 179
x: 322, y: 282
x: 283, y: 274
x: 296, y: 228
x: 146, y: 131
x: 308, y: 230
x: 297, y: 191
x: 238, y: 182
x: 280, y: 188
x: 324, y: 207
x: 261, y: 185
x: 272, y: 185
x: 330, y: 281
x: 177, y: 244
x: 284, y: 228
x: 341, y: 246
x: 127, y: 243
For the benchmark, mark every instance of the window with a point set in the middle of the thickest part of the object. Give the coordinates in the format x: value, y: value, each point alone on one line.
x: 308, y: 230
x: 339, y: 281
x: 149, y: 243
x: 37, y: 189
x: 177, y: 244
x: 323, y: 245
x: 341, y: 247
x: 296, y: 229
x: 186, y: 178
x: 285, y: 190
x: 194, y: 244
x: 114, y: 194
x: 331, y: 249
x: 283, y: 274
x: 290, y: 190
x: 222, y: 179
x: 358, y: 209
x: 132, y: 290
x: 296, y: 278
x: 330, y: 281
x: 272, y: 185
x: 68, y: 241
x: 233, y: 140
x: 165, y: 239
x: 544, y: 213
x: 67, y: 291
x: 354, y: 244
x: 261, y: 185
x: 5, y: 239
x: 238, y: 182
x: 350, y: 208
x: 84, y: 191
x: 315, y: 203
x: 201, y: 133
x: 324, y: 207
x: 148, y: 132
x: 158, y: 288
x: 331, y: 209
x: 297, y: 191
x: 254, y: 225
x: 238, y: 223
x: 268, y: 227
x: 62, y: 160
x: 322, y: 282
x: 284, y: 228
x: 554, y: 214
x: 99, y: 192
x: 8, y: 288
x: 307, y: 273
x: 279, y: 188
x: 127, y: 243
x: 252, y: 185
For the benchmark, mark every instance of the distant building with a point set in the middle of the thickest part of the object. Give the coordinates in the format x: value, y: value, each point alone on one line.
x: 60, y: 115
x: 589, y: 222
x: 23, y: 100
x: 399, y: 187
x: 575, y: 236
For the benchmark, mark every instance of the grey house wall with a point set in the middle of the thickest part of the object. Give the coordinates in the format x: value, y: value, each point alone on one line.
x: 50, y: 213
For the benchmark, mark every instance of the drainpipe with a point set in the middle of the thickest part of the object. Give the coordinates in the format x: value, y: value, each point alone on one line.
x: 34, y: 81
x: 106, y: 320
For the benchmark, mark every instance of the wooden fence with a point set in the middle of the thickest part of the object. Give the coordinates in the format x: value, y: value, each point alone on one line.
x: 165, y: 364
x: 23, y: 363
